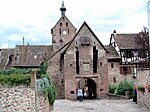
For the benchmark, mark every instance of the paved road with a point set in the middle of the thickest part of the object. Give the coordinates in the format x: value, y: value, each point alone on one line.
x: 97, y: 106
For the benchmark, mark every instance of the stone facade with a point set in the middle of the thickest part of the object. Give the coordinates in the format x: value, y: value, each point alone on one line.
x: 85, y: 64
x: 115, y: 76
x: 21, y: 99
x: 143, y: 79
x: 63, y: 70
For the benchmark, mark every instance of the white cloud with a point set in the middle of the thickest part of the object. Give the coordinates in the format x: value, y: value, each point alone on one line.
x: 35, y: 18
x: 4, y: 45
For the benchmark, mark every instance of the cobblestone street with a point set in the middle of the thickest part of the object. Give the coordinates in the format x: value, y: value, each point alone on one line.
x: 97, y: 106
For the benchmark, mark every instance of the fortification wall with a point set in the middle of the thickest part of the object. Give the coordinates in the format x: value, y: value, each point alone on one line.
x: 22, y: 99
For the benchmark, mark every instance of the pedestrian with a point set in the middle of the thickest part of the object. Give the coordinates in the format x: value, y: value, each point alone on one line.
x: 80, y: 94
x: 135, y: 94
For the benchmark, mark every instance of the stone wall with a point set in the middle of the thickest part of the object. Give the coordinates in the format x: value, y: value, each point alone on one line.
x: 143, y: 79
x: 21, y: 99
x: 115, y: 77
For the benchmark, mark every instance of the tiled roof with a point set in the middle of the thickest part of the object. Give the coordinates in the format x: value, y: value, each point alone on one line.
x: 31, y: 55
x: 4, y: 55
x: 125, y: 41
x: 112, y: 52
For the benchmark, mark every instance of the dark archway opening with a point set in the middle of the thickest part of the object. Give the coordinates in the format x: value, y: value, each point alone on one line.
x: 89, y: 88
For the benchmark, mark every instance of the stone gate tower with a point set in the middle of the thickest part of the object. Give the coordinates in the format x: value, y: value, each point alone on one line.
x: 63, y: 31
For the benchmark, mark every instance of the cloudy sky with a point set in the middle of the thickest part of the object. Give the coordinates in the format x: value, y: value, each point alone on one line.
x: 33, y: 19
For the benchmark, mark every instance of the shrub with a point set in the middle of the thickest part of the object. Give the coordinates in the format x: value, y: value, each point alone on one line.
x: 42, y: 70
x: 15, y: 79
x: 112, y: 88
x: 123, y: 87
x: 15, y: 71
x: 47, y: 89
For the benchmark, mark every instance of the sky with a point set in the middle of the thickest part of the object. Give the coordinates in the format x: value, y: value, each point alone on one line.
x: 33, y: 19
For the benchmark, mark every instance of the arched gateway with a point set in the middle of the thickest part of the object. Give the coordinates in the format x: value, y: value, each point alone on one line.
x: 89, y: 88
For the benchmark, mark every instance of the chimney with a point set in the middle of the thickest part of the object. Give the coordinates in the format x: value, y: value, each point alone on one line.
x: 114, y: 32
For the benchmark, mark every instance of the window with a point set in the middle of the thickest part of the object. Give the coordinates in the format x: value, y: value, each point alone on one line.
x: 68, y: 31
x: 77, y: 62
x: 112, y: 65
x: 128, y: 53
x: 10, y: 58
x: 114, y: 79
x: 62, y: 81
x: 61, y: 62
x: 60, y: 31
x: 60, y: 24
x: 125, y: 70
x: 66, y: 24
x: 95, y: 58
x: 100, y: 64
x: 71, y: 92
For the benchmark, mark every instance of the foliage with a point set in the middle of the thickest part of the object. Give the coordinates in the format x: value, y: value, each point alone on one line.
x: 48, y: 89
x: 123, y: 87
x: 15, y: 79
x: 42, y: 70
x: 112, y: 88
x: 141, y: 88
x: 15, y: 71
x: 50, y: 92
x: 141, y: 42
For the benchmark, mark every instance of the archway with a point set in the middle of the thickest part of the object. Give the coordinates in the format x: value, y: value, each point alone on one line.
x: 89, y: 88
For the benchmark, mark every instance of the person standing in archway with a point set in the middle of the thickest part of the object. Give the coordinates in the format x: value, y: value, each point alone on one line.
x: 80, y: 94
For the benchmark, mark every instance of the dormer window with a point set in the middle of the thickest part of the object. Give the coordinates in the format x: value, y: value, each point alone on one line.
x: 85, y: 40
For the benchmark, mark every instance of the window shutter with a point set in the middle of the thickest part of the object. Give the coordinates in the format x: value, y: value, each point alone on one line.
x: 121, y: 70
x: 129, y: 69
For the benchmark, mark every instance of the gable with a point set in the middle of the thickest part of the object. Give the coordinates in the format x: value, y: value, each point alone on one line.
x: 85, y: 36
x: 63, y: 19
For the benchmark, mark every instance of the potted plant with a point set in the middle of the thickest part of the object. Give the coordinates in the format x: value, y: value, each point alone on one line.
x: 141, y: 88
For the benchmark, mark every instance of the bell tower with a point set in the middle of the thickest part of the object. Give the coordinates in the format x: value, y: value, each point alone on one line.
x: 63, y: 31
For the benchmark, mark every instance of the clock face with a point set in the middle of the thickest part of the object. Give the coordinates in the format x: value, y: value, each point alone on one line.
x: 64, y: 32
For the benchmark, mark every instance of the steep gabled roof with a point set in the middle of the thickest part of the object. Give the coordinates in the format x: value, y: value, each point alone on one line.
x: 125, y: 41
x: 84, y: 23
